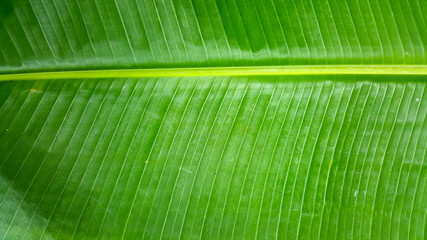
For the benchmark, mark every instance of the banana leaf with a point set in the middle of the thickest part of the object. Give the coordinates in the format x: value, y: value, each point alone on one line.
x: 213, y: 119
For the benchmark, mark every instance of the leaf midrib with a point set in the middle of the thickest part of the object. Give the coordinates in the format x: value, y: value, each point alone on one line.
x: 224, y: 71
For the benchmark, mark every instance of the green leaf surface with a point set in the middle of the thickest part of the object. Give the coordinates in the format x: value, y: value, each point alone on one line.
x: 45, y: 35
x: 213, y: 119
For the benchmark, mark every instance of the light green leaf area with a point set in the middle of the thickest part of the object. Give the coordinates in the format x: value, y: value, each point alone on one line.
x: 160, y: 119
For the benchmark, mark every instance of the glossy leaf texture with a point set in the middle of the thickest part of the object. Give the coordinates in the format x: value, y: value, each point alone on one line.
x: 50, y: 35
x: 212, y: 157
